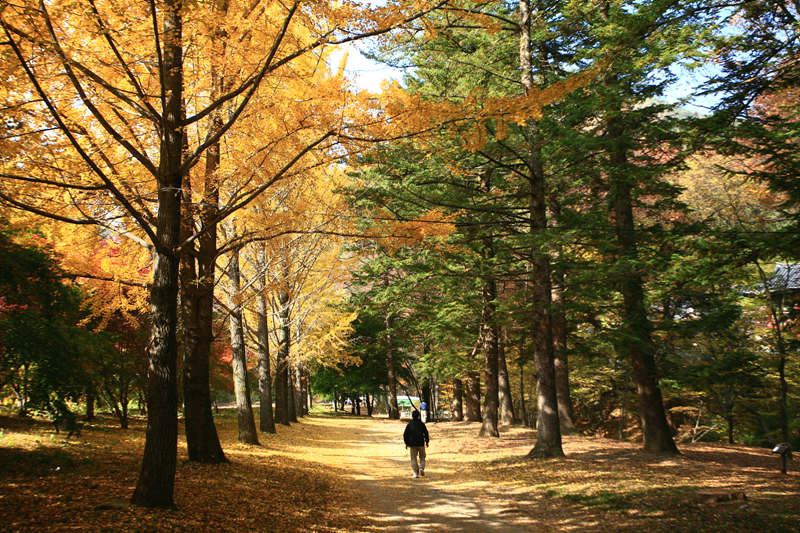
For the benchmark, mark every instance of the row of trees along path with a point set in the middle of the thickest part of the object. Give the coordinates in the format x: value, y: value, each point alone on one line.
x: 474, y: 484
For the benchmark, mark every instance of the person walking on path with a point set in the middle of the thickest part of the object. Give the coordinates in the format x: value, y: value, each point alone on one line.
x: 416, y: 438
x: 423, y: 409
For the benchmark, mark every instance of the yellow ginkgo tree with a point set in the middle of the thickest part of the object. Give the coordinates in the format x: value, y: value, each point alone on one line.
x: 128, y: 98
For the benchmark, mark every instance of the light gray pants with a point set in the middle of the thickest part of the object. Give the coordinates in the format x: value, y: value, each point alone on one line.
x: 417, y: 451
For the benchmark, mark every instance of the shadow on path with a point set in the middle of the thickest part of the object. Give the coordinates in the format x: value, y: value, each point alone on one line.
x: 399, y: 502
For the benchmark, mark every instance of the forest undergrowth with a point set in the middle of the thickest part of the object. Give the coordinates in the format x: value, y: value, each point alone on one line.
x: 291, y: 483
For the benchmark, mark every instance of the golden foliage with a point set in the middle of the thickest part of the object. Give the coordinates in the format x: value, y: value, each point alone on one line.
x: 730, y: 200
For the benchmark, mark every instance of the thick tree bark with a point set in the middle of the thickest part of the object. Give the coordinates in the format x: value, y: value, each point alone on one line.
x: 472, y: 397
x: 548, y: 439
x: 241, y: 385
x: 637, y: 328
x: 197, y: 272
x: 565, y: 412
x: 504, y: 389
x: 197, y: 298
x: 457, y: 409
x: 156, y: 485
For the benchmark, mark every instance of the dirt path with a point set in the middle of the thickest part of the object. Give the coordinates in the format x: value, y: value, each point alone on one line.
x: 372, y: 455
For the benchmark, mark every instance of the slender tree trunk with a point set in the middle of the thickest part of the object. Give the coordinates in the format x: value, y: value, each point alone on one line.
x: 522, y: 404
x: 729, y: 420
x: 458, y: 401
x: 426, y: 395
x: 504, y: 388
x: 307, y: 396
x: 292, y: 393
x: 265, y: 415
x: 241, y: 385
x: 777, y: 315
x: 490, y: 367
x: 156, y: 485
x: 782, y: 399
x: 548, y: 440
x: 90, y: 399
x: 394, y: 413
x: 491, y: 341
x: 300, y: 391
x: 282, y: 366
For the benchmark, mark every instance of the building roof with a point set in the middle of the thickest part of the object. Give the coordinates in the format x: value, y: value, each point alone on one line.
x: 785, y: 278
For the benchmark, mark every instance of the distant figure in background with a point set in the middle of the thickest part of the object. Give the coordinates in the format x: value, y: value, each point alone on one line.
x: 416, y: 439
x: 423, y: 408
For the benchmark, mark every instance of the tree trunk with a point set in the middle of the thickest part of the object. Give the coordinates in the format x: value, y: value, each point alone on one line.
x: 241, y: 385
x: 729, y: 420
x: 457, y: 414
x: 565, y: 414
x: 394, y: 413
x: 490, y: 367
x: 472, y: 398
x: 197, y: 306
x: 292, y: 394
x: 548, y: 439
x: 565, y: 411
x: 90, y: 399
x: 504, y: 389
x: 776, y: 310
x: 301, y: 392
x: 118, y: 407
x: 156, y: 485
x: 491, y: 400
x: 265, y: 415
x: 782, y: 398
x: 636, y: 326
x: 522, y: 404
x: 282, y: 365
x: 307, y: 397
x: 426, y: 397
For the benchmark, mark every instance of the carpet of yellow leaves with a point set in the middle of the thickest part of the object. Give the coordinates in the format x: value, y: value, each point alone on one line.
x: 346, y: 474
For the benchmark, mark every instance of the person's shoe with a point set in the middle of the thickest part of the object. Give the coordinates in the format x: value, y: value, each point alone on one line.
x: 415, y: 475
x: 422, y: 473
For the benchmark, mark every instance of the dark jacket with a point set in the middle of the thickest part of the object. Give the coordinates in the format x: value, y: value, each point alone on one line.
x: 416, y: 434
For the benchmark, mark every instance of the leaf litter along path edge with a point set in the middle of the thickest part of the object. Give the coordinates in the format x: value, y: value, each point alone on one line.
x: 484, y: 485
x: 371, y: 454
